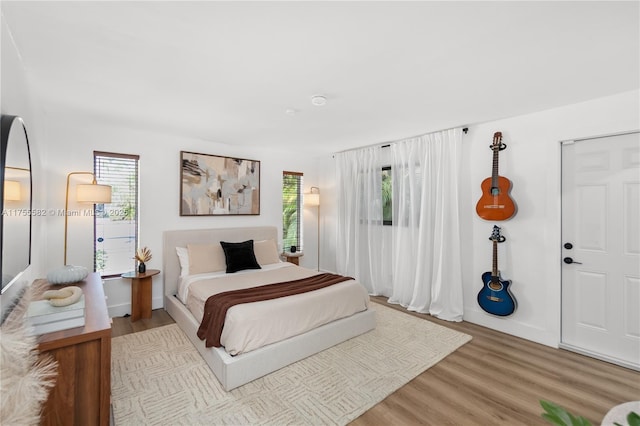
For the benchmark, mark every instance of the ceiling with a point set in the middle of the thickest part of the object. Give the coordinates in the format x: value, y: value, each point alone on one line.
x: 228, y: 72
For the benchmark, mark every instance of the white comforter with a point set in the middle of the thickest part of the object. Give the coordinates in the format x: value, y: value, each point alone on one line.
x: 252, y: 325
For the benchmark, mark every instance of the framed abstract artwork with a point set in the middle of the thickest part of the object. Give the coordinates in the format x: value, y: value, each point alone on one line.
x: 212, y: 185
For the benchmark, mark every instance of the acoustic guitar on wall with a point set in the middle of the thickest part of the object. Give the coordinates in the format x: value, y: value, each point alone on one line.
x: 495, y: 296
x: 495, y: 202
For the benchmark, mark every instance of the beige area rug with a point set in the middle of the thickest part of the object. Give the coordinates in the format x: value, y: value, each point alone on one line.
x: 159, y: 378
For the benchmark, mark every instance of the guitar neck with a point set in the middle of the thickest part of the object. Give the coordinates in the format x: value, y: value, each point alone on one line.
x: 494, y: 170
x: 494, y: 270
x: 497, y: 143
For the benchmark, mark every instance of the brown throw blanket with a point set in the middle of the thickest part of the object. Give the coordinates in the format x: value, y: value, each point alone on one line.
x: 216, y: 306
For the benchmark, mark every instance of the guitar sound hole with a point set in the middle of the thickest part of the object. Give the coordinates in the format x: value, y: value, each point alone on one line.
x: 495, y: 286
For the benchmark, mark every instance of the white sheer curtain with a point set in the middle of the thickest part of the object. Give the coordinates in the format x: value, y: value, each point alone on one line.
x: 427, y: 268
x: 363, y: 245
x: 416, y: 261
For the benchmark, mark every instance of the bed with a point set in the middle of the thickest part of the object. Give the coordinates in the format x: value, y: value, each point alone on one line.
x: 250, y: 362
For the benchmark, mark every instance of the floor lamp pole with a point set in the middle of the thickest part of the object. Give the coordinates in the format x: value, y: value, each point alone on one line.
x: 318, y: 238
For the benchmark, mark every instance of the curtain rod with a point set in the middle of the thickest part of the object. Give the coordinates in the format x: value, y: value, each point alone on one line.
x: 388, y: 144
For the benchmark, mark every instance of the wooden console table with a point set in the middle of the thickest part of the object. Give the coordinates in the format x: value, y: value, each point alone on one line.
x: 82, y: 393
x: 140, y: 293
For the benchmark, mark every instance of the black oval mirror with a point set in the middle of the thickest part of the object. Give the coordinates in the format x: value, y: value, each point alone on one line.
x: 15, y: 221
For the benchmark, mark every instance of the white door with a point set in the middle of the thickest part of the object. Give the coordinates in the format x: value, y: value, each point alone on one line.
x: 601, y: 248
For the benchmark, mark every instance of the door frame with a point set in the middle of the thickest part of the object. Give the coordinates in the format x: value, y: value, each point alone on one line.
x: 561, y: 344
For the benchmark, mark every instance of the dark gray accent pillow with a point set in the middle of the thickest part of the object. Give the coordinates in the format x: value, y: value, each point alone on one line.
x: 239, y: 256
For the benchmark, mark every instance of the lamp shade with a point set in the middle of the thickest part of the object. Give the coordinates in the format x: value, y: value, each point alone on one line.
x: 312, y: 199
x: 93, y: 193
x: 11, y: 190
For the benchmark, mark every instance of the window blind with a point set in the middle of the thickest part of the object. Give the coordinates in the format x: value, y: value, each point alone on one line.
x: 292, y: 210
x: 116, y: 224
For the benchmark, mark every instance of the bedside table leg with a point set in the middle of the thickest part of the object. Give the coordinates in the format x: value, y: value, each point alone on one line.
x: 140, y: 298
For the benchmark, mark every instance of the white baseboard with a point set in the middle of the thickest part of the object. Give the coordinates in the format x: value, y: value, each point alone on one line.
x: 123, y: 309
x: 510, y: 326
x: 602, y: 357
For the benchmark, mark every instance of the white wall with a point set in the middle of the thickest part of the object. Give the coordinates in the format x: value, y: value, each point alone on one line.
x: 328, y: 215
x: 531, y: 256
x: 71, y: 140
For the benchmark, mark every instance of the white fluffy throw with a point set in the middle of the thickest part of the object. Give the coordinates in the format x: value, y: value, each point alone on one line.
x: 25, y: 378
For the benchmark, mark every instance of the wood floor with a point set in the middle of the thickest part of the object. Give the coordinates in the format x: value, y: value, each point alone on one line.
x: 496, y: 379
x: 123, y: 325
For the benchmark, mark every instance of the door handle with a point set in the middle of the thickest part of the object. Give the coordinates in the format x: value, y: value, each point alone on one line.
x: 569, y: 261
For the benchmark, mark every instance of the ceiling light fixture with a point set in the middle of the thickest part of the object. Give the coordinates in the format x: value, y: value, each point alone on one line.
x: 318, y: 100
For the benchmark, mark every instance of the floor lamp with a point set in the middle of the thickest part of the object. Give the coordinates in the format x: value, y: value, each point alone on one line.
x: 312, y: 198
x: 85, y: 193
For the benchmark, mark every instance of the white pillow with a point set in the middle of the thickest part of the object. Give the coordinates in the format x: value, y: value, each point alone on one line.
x: 183, y: 257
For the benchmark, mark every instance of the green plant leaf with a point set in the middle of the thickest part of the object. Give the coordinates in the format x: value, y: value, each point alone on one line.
x: 555, y: 414
x: 580, y: 421
x: 633, y: 419
x: 561, y: 417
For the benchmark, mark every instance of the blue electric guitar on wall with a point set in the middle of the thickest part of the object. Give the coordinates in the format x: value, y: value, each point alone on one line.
x: 495, y: 297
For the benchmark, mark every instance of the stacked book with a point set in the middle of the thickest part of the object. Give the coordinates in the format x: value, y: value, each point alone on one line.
x: 45, y: 318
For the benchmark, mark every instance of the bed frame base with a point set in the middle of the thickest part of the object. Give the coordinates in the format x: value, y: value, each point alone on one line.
x: 234, y: 371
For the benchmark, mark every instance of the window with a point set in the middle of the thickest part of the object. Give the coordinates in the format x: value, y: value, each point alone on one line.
x: 116, y: 224
x: 387, y: 192
x: 292, y: 210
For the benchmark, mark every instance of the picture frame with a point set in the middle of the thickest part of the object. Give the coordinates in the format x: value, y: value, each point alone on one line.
x: 214, y: 185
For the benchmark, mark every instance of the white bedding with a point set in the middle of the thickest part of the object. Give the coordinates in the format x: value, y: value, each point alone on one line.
x: 252, y: 325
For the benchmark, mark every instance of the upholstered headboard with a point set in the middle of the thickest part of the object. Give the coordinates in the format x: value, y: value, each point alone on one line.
x: 180, y: 238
